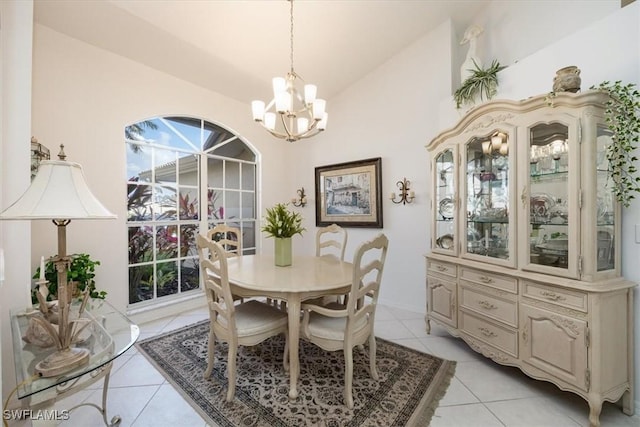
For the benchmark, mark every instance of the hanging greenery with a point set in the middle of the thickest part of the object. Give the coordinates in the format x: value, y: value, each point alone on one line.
x: 483, y: 82
x: 622, y: 115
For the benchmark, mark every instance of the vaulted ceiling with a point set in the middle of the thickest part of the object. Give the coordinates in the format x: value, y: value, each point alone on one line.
x: 235, y: 47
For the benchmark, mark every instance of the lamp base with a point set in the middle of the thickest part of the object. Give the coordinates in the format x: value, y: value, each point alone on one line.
x: 62, y: 361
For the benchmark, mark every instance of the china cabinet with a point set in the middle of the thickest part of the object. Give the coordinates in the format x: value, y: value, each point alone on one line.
x: 525, y: 244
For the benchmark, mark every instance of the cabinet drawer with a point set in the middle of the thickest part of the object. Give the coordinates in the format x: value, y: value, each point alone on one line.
x: 563, y: 297
x: 441, y: 268
x: 501, y: 337
x: 502, y: 310
x: 509, y: 284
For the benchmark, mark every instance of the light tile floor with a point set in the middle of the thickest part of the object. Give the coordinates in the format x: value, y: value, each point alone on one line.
x: 481, y: 394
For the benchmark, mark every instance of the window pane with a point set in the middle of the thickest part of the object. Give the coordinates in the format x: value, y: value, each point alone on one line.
x: 189, y: 205
x: 167, y: 278
x: 189, y: 172
x: 248, y: 205
x: 190, y: 274
x: 232, y: 204
x: 188, y: 128
x: 167, y: 242
x: 188, y: 240
x: 214, y: 205
x: 140, y: 283
x: 248, y: 177
x: 214, y: 136
x: 165, y: 166
x: 139, y: 162
x: 166, y: 207
x: 232, y: 175
x: 248, y: 237
x: 140, y: 244
x: 139, y: 207
x: 215, y: 167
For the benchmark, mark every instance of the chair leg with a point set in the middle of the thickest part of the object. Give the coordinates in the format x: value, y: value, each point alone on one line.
x: 210, y: 353
x: 231, y: 370
x: 372, y: 357
x: 348, y: 377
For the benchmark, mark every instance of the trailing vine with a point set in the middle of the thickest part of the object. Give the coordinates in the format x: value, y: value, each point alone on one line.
x: 622, y: 116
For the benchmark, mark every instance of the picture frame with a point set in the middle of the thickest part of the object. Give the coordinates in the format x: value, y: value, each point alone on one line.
x: 349, y: 194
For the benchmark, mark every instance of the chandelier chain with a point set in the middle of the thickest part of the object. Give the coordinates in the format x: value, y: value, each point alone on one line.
x: 291, y: 37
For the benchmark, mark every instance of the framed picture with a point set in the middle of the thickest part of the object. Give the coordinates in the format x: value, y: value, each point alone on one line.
x: 350, y: 194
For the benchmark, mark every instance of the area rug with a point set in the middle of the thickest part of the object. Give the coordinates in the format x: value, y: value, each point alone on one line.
x: 407, y: 392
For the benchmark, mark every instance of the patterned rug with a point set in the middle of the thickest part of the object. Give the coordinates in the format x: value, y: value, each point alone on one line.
x: 408, y: 390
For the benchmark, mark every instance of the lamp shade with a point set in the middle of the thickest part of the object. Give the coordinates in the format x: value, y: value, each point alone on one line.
x: 58, y: 191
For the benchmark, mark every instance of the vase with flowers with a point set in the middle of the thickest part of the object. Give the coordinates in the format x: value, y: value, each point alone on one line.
x: 282, y: 224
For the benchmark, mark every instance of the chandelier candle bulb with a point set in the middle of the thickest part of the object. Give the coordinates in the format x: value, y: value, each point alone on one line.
x: 257, y: 107
x: 318, y: 108
x: 322, y: 124
x: 310, y: 92
x: 270, y: 120
x: 303, y: 124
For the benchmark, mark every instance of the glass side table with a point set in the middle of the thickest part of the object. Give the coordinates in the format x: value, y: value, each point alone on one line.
x: 109, y: 335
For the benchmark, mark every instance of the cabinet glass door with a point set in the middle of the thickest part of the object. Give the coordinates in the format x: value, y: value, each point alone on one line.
x: 605, y: 203
x: 551, y: 241
x: 445, y: 202
x: 487, y: 197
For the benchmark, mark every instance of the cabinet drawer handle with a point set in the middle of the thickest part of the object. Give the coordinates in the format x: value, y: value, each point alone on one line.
x: 487, y: 333
x: 487, y: 305
x: 441, y: 268
x: 485, y: 279
x: 552, y: 296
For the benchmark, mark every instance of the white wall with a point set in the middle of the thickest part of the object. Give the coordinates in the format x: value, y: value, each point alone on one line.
x: 83, y: 97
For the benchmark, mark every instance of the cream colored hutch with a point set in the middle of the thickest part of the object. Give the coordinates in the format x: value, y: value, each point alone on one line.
x: 525, y: 244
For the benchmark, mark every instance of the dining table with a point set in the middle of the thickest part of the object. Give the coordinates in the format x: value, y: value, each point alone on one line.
x: 306, y: 278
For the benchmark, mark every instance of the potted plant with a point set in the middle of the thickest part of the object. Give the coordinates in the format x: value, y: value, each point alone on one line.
x: 482, y: 82
x: 622, y: 115
x: 282, y: 224
x: 81, y: 270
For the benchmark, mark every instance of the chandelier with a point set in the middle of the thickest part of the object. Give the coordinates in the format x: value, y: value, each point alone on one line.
x: 292, y: 114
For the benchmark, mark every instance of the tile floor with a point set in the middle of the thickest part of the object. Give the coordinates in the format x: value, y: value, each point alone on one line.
x: 482, y: 394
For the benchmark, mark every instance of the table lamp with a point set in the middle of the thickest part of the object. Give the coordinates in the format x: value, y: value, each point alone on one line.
x: 59, y: 193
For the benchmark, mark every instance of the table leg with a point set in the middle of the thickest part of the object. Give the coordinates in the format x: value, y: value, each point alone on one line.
x: 293, y: 303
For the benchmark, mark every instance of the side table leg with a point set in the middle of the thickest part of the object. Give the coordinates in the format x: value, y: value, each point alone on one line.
x: 115, y: 421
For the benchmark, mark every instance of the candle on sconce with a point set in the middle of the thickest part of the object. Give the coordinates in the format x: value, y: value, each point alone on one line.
x: 412, y: 194
x: 393, y: 196
x: 42, y: 268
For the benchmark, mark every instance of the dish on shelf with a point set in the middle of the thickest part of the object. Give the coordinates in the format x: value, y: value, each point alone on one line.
x: 546, y: 250
x: 540, y: 205
x: 445, y: 208
x: 445, y: 242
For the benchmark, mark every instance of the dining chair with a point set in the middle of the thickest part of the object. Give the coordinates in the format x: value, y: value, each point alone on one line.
x: 342, y: 327
x: 245, y: 324
x: 228, y: 237
x: 331, y: 241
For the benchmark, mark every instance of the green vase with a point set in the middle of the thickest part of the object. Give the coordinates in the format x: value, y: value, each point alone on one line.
x: 283, y: 251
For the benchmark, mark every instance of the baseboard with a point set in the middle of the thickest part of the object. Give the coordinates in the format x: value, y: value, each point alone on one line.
x: 169, y: 308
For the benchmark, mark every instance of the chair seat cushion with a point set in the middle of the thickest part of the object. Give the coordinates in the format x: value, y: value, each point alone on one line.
x: 332, y: 328
x: 254, y: 317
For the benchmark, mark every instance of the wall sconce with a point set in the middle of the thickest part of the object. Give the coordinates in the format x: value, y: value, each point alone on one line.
x: 301, y: 200
x: 497, y: 142
x: 406, y: 196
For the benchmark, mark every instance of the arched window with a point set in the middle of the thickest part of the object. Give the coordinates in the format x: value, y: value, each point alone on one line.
x: 184, y: 175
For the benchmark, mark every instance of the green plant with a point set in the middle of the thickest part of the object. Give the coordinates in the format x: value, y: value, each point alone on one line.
x: 483, y: 82
x: 622, y: 115
x: 81, y: 270
x: 281, y: 222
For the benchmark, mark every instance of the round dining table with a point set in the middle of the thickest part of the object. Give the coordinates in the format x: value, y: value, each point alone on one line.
x: 307, y: 277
